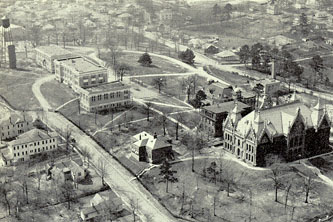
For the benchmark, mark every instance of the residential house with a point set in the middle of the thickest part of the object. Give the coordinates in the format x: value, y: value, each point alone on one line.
x: 213, y: 116
x: 227, y: 56
x: 290, y: 131
x: 112, y: 95
x: 211, y: 49
x: 217, y: 93
x: 80, y: 73
x: 150, y: 148
x: 71, y: 169
x: 105, y: 203
x: 46, y: 55
x: 28, y: 144
x: 14, y: 125
x: 244, y: 96
x: 166, y: 16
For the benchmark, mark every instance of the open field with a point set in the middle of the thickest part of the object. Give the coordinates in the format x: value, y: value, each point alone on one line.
x: 56, y: 93
x: 246, y: 198
x: 233, y: 79
x: 158, y: 66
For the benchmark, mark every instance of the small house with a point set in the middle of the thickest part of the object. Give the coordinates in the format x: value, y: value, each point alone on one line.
x: 227, y: 56
x: 69, y: 170
x: 211, y: 49
x: 150, y: 148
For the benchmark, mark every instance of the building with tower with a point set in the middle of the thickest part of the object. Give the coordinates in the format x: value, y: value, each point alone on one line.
x: 289, y: 131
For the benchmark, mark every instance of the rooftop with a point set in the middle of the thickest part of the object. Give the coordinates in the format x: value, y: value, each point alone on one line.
x: 116, y: 85
x: 32, y: 136
x: 53, y: 50
x: 13, y: 118
x: 225, y: 107
x: 82, y: 65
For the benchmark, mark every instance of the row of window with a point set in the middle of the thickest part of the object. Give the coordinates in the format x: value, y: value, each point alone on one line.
x: 18, y: 125
x: 35, y: 151
x: 113, y: 105
x: 249, y: 157
x: 35, y: 143
x: 106, y: 96
x: 296, y: 141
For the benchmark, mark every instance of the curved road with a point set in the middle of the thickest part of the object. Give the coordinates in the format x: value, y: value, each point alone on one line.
x: 117, y: 177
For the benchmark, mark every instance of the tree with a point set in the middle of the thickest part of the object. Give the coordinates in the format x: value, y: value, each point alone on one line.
x: 68, y: 141
x: 308, y: 186
x: 35, y: 34
x: 187, y: 56
x: 179, y: 118
x: 255, y: 55
x: 101, y: 166
x: 317, y: 65
x: 228, y: 177
x: 303, y: 22
x: 216, y: 10
x: 244, y: 54
x: 213, y: 171
x: 147, y: 106
x: 287, y: 195
x: 145, y: 59
x: 86, y: 155
x: 22, y: 178
x: 162, y: 120
x: 199, y: 97
x: 114, y: 52
x: 228, y: 10
x: 121, y: 70
x: 276, y: 178
x: 159, y: 82
x: 167, y: 174
x: 68, y: 193
x: 5, y: 189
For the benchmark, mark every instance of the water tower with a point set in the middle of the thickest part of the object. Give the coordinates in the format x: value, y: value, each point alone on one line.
x: 8, y: 55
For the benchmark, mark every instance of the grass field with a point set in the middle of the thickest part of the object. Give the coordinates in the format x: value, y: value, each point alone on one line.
x: 56, y: 93
x: 247, y: 198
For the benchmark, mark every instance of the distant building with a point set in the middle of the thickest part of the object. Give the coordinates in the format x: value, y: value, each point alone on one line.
x: 80, y: 73
x: 290, y: 131
x: 152, y: 149
x: 166, y: 15
x: 15, y: 125
x: 46, y: 55
x: 267, y: 86
x: 211, y: 49
x: 112, y: 95
x: 213, y: 116
x: 227, y: 56
x: 102, y: 204
x: 273, y: 9
x: 28, y: 144
x: 243, y: 96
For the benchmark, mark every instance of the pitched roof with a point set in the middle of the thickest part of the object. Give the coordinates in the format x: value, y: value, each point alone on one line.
x: 142, y: 135
x: 276, y: 119
x: 13, y: 118
x: 32, y: 136
x: 225, y: 107
x: 157, y: 143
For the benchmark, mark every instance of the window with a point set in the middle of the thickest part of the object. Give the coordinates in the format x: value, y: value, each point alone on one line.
x: 38, y: 149
x: 18, y: 154
x: 26, y: 152
x: 53, y: 140
x: 93, y: 98
x: 26, y: 145
x: 106, y: 96
x: 42, y: 142
x: 14, y: 154
x: 14, y: 147
x: 111, y: 95
x: 34, y: 144
x: 79, y: 174
x: 99, y: 97
x: 38, y: 143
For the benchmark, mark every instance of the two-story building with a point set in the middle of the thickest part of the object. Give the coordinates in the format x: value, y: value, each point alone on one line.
x: 80, y: 73
x: 212, y: 117
x: 30, y: 143
x: 47, y: 55
x: 112, y: 95
x: 15, y: 125
x: 290, y: 131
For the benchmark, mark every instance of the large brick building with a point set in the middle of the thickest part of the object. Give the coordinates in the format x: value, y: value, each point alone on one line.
x: 80, y: 73
x: 112, y: 95
x: 213, y: 116
x: 290, y: 131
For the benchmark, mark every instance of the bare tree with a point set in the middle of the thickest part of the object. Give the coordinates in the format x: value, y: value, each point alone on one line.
x: 167, y: 174
x: 68, y: 193
x: 308, y: 186
x: 229, y: 177
x: 38, y: 177
x: 159, y: 83
x: 68, y: 134
x: 134, y: 207
x: 162, y: 120
x: 86, y: 155
x: 5, y: 189
x: 275, y: 176
x: 288, y: 188
x: 114, y: 52
x: 102, y: 170
x: 22, y: 177
x: 179, y: 118
x: 147, y: 108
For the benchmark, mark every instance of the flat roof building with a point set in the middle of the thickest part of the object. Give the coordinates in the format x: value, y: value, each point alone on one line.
x: 112, y: 95
x: 46, y: 55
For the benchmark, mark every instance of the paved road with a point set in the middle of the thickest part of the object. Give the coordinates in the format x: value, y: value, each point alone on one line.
x: 117, y: 176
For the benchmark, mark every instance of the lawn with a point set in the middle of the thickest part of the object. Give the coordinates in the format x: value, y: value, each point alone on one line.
x: 231, y: 78
x: 251, y: 193
x: 158, y: 66
x: 56, y: 93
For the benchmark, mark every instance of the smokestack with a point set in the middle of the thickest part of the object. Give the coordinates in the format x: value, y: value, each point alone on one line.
x: 155, y: 135
x: 273, y: 69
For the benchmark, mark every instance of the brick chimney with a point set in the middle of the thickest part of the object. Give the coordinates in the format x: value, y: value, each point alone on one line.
x: 273, y: 74
x: 155, y: 135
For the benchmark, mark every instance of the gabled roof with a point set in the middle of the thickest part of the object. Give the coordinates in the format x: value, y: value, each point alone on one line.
x: 225, y: 107
x: 277, y: 120
x: 33, y: 135
x: 14, y: 118
x: 157, y: 143
x: 142, y: 135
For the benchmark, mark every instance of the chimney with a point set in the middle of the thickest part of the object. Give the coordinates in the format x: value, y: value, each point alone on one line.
x: 10, y: 120
x: 155, y: 135
x: 140, y: 137
x: 273, y: 69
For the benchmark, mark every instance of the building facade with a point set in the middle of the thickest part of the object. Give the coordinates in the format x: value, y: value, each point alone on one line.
x: 47, y: 55
x: 14, y: 126
x: 31, y: 143
x: 80, y: 73
x: 213, y: 116
x: 290, y: 131
x: 112, y: 95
